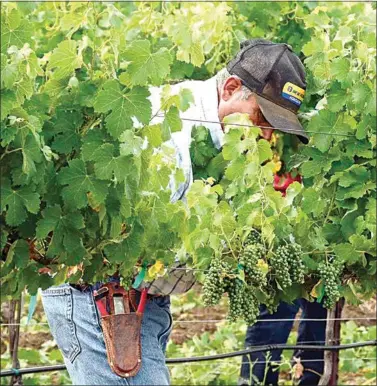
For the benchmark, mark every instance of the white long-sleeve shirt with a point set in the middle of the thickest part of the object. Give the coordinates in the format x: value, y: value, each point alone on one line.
x: 203, y: 109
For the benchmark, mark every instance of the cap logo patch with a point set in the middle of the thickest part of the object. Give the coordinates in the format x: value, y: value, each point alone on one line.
x: 293, y: 93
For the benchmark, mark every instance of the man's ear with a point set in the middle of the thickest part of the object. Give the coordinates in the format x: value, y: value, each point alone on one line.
x: 231, y: 85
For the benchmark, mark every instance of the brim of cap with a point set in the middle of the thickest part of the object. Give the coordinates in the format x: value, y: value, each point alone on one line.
x: 281, y: 118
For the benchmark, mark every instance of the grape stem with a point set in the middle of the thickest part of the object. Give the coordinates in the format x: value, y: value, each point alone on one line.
x: 228, y: 241
x: 10, y: 151
x: 331, y: 205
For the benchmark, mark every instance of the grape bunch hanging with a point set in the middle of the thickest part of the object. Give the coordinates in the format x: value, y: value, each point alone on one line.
x: 254, y: 273
x: 330, y: 274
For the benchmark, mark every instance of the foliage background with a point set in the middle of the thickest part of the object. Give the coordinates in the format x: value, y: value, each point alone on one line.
x: 79, y: 182
x: 65, y: 67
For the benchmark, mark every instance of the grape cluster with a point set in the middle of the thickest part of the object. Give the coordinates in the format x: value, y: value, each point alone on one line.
x: 248, y: 259
x: 236, y: 299
x: 254, y: 237
x: 330, y: 274
x: 250, y: 306
x: 214, y: 285
x: 280, y: 264
x: 296, y: 264
x: 242, y: 302
x: 270, y: 302
x: 288, y: 265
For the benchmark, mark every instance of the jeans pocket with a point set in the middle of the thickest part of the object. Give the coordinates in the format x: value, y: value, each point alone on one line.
x: 163, y: 305
x: 58, y: 306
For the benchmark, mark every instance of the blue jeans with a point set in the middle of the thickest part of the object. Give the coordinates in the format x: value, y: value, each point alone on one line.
x: 264, y: 332
x: 75, y: 325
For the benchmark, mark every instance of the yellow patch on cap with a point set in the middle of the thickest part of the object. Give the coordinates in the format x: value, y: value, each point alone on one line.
x: 293, y: 93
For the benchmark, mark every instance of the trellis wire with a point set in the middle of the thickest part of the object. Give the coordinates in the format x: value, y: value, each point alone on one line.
x: 264, y: 348
x: 33, y: 370
x: 213, y: 321
x: 284, y: 129
x: 274, y: 320
x: 256, y: 362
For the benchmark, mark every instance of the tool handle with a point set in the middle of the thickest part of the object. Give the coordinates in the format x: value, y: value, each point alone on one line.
x: 143, y: 301
x: 102, y: 307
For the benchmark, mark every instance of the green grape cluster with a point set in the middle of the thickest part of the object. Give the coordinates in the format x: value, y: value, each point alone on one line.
x: 330, y: 274
x: 270, y: 302
x: 288, y: 265
x: 250, y: 306
x: 214, y: 285
x: 236, y: 299
x: 280, y: 264
x: 248, y: 259
x: 242, y: 302
x: 297, y: 267
x: 254, y: 237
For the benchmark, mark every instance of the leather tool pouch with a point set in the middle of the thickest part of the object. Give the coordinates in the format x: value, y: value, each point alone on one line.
x: 121, y: 325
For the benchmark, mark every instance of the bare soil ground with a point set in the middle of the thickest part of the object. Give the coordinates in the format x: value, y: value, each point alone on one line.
x: 185, y: 331
x: 181, y: 331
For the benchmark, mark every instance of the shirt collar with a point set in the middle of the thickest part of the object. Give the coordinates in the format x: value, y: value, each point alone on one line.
x: 210, y: 108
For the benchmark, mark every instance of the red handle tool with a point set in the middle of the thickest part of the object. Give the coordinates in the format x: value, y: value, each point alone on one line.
x: 143, y: 301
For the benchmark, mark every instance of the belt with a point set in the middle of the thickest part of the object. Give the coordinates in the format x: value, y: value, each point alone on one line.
x: 85, y: 287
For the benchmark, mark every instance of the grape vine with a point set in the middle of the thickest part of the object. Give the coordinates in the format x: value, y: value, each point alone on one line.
x: 83, y: 186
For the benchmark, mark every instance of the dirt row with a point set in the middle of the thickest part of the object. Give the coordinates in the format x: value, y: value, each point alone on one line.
x: 183, y: 331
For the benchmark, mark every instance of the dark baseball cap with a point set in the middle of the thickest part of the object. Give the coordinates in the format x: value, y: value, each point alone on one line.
x: 277, y: 77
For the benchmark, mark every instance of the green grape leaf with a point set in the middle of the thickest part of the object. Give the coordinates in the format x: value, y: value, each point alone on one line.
x: 3, y: 238
x: 362, y: 243
x: 15, y: 31
x: 236, y: 168
x: 337, y: 98
x: 344, y: 34
x: 108, y: 165
x: 8, y: 102
x: 64, y: 59
x: 65, y: 129
x: 312, y: 202
x: 264, y: 150
x: 130, y: 143
x: 202, y: 149
x: 24, y: 89
x: 172, y: 120
x: 53, y: 87
x: 92, y: 142
x: 232, y: 144
x: 347, y: 253
x: 355, y: 175
x: 186, y: 99
x: 361, y: 94
x: 80, y: 183
x: 224, y: 219
x: 9, y: 73
x: 326, y: 123
x: 129, y: 250
x: 65, y: 235
x: 340, y: 68
x: 217, y: 166
x: 32, y: 154
x: 124, y: 106
x: 16, y: 201
x: 153, y: 134
x: 19, y: 254
x: 145, y: 65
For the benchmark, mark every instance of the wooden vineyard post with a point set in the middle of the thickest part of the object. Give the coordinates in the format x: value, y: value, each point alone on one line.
x: 325, y: 379
x: 331, y: 358
x: 335, y: 354
x: 14, y: 335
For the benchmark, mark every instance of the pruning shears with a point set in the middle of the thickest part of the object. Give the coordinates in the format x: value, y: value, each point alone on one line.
x: 112, y: 299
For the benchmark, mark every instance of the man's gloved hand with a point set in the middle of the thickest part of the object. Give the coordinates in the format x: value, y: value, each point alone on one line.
x: 282, y: 182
